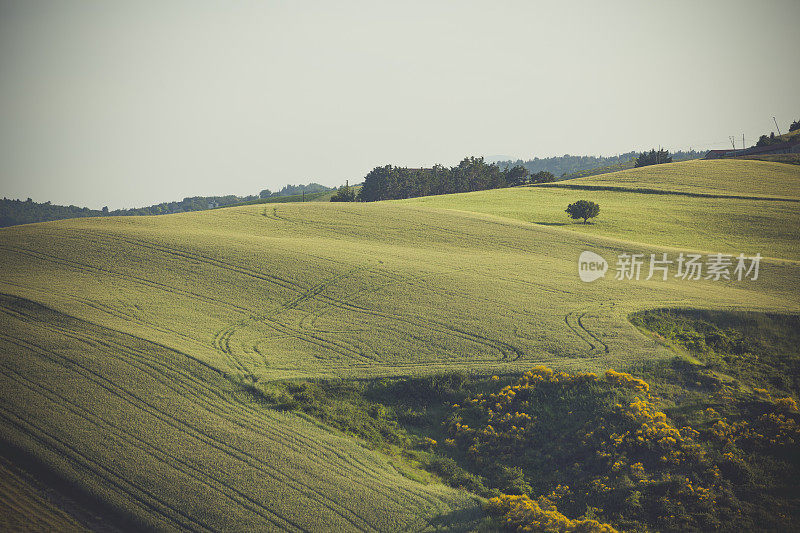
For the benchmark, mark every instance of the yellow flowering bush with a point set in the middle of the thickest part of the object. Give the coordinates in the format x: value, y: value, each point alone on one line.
x: 622, y: 445
x: 521, y: 513
x: 626, y: 380
x: 787, y: 404
x: 614, y: 442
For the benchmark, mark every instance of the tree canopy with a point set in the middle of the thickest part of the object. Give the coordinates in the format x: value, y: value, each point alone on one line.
x: 765, y: 140
x: 393, y: 183
x: 291, y: 190
x: 542, y: 176
x: 583, y: 209
x: 517, y: 175
x: 653, y: 158
x: 344, y: 194
x: 578, y: 165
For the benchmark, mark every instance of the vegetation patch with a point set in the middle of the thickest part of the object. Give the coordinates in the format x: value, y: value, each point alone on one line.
x: 758, y: 350
x: 683, y: 446
x: 280, y: 199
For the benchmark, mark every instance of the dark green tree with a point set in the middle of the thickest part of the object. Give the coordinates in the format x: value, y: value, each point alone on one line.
x: 653, y: 158
x: 291, y: 190
x: 795, y: 125
x: 766, y: 141
x: 543, y: 176
x: 392, y: 183
x: 583, y: 209
x: 344, y: 194
x: 516, y: 175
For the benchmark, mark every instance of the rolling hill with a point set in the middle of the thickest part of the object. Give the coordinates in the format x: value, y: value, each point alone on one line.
x: 714, y: 206
x: 714, y: 177
x: 125, y: 341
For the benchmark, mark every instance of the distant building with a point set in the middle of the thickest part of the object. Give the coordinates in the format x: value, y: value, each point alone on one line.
x: 789, y: 147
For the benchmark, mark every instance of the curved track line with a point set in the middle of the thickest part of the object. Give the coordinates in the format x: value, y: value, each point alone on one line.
x: 169, y: 382
x: 574, y: 320
x: 141, y: 357
x: 165, y: 457
x: 73, y: 455
x: 138, y: 402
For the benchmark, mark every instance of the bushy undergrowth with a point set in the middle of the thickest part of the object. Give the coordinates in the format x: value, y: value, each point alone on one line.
x: 523, y: 513
x: 683, y: 447
x: 604, y: 447
x: 757, y: 349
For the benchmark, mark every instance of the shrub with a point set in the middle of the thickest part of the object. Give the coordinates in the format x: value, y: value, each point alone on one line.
x: 520, y: 513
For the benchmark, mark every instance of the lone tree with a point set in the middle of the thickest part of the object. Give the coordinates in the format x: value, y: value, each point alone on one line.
x: 583, y: 209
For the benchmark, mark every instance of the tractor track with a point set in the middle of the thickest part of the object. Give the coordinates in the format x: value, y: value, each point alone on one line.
x: 138, y: 359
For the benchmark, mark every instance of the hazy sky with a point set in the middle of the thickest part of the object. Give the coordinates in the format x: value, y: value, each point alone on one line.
x: 132, y: 103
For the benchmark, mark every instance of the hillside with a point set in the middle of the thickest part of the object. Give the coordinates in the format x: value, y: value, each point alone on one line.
x: 713, y: 206
x: 130, y: 344
x: 712, y: 177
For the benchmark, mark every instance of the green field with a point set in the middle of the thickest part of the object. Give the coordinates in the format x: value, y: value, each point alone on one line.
x: 714, y: 177
x: 725, y: 222
x: 124, y: 340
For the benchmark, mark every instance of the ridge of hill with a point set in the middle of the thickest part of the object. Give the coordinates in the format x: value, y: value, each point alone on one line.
x: 14, y: 212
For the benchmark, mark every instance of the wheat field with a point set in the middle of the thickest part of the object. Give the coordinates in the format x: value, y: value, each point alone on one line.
x: 124, y: 340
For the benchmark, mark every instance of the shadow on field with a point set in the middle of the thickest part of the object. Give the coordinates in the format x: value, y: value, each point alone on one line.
x: 460, y: 520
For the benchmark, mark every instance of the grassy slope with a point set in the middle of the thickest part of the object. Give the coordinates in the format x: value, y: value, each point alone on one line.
x: 25, y: 505
x: 141, y: 326
x: 729, y: 225
x: 724, y: 177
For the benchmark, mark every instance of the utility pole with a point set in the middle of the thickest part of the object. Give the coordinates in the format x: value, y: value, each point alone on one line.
x: 776, y: 125
x: 742, y: 141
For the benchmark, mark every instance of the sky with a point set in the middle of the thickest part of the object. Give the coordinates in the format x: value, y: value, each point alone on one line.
x: 124, y: 104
